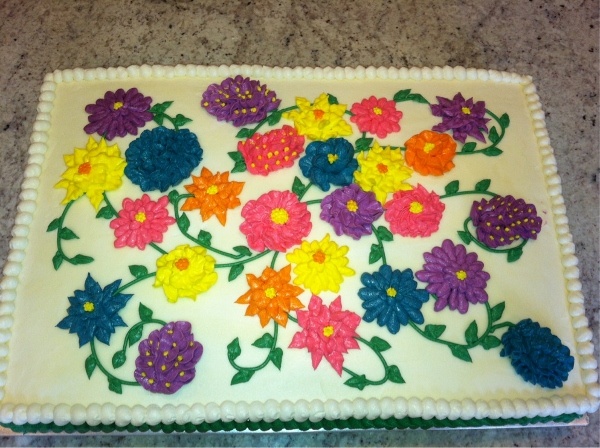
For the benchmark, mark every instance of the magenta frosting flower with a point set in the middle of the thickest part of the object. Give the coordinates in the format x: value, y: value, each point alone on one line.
x: 351, y: 211
x: 503, y: 220
x: 239, y: 100
x: 463, y: 117
x: 377, y: 116
x: 168, y: 358
x: 141, y: 222
x: 415, y: 212
x: 277, y: 220
x: 456, y: 277
x: 327, y: 331
x: 118, y: 113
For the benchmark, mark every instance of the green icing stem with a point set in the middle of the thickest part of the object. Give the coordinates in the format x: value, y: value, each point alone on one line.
x: 489, y: 249
x: 109, y: 375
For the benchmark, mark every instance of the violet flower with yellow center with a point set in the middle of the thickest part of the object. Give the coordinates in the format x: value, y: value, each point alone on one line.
x: 319, y: 120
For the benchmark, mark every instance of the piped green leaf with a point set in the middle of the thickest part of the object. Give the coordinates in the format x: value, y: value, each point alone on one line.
x: 105, y: 212
x: 274, y: 118
x: 358, y: 381
x: 471, y: 333
x: 483, y: 185
x: 469, y: 147
x: 298, y: 188
x: 234, y: 350
x: 460, y: 352
x: 160, y: 108
x: 492, y: 152
x: 434, y: 331
x: 375, y: 254
x: 504, y: 121
x: 67, y: 234
x: 242, y: 376
x: 465, y: 236
x: 135, y: 335
x: 138, y: 271
x: 235, y: 271
x: 114, y: 385
x: 276, y: 356
x: 81, y: 259
x: 145, y: 313
x: 184, y: 222
x: 173, y: 197
x: 243, y: 250
x: 118, y: 359
x: 493, y: 135
x: 452, y: 187
x: 363, y: 143
x: 239, y: 162
x: 245, y: 133
x: 332, y: 99
x: 379, y: 345
x: 394, y: 375
x: 490, y: 342
x: 497, y: 311
x: 90, y: 365
x: 57, y: 260
x: 384, y: 234
x: 265, y: 341
x: 514, y: 254
x: 204, y: 237
x: 181, y: 120
x: 54, y: 224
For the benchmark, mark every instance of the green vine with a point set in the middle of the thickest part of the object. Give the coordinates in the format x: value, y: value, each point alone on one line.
x: 158, y: 111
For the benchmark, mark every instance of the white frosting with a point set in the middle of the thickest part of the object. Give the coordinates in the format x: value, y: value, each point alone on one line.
x: 505, y: 397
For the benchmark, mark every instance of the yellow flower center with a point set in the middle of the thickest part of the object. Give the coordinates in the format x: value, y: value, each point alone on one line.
x: 140, y: 217
x: 377, y: 111
x: 271, y: 293
x: 461, y: 275
x: 213, y: 189
x: 319, y: 257
x: 318, y: 113
x: 351, y: 205
x: 391, y: 292
x: 279, y: 216
x: 88, y: 307
x: 416, y: 207
x: 85, y: 168
x: 117, y: 105
x: 332, y: 158
x: 465, y: 110
x: 328, y: 331
x: 428, y: 147
x: 382, y: 168
x: 182, y: 264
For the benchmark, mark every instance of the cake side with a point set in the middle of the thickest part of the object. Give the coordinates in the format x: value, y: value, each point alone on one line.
x: 380, y: 403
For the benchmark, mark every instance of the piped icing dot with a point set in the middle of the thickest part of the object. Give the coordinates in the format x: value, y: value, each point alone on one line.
x: 352, y: 205
x: 182, y: 264
x: 319, y: 257
x: 88, y: 307
x: 428, y: 147
x: 84, y: 168
x: 140, y: 217
x: 465, y: 110
x: 416, y: 207
x: 461, y: 275
x: 318, y: 113
x: 331, y: 158
x: 377, y: 111
x: 271, y: 293
x: 279, y: 216
x: 382, y: 168
x: 328, y: 331
x: 391, y: 292
x: 117, y: 105
x: 213, y: 189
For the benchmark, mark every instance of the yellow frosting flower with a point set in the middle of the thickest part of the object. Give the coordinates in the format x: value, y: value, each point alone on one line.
x: 382, y: 171
x: 320, y: 265
x: 319, y: 120
x: 92, y: 170
x: 185, y: 272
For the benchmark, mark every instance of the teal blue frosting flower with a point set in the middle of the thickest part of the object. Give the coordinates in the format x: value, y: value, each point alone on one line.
x: 161, y: 158
x: 536, y: 354
x: 392, y: 297
x: 94, y: 312
x: 329, y: 162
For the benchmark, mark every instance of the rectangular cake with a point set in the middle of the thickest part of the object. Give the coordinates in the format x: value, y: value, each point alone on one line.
x: 245, y: 247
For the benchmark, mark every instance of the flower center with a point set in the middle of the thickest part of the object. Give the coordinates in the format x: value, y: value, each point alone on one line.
x: 182, y: 264
x: 416, y: 207
x: 88, y: 307
x: 465, y: 110
x: 319, y: 257
x: 351, y: 205
x: 85, y: 168
x: 391, y: 292
x: 332, y: 158
x: 213, y: 189
x: 140, y: 217
x: 377, y: 111
x: 428, y: 147
x: 117, y: 105
x: 461, y: 275
x: 328, y: 331
x: 318, y: 113
x: 271, y: 293
x: 382, y: 168
x: 279, y: 216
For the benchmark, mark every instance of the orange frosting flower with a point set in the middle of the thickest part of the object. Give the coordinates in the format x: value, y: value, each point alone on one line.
x: 213, y: 194
x: 271, y: 296
x: 430, y: 153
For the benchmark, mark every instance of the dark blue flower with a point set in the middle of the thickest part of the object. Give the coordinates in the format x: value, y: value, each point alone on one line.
x: 161, y: 158
x: 392, y: 298
x: 94, y: 312
x: 536, y: 354
x: 329, y: 162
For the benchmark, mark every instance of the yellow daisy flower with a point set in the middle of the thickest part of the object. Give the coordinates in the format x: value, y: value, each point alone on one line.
x: 319, y: 120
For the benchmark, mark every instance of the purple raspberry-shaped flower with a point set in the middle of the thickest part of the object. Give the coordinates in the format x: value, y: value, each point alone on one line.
x: 503, y: 220
x: 168, y: 358
x: 463, y: 117
x: 118, y: 113
x: 536, y: 354
x: 239, y: 100
x: 351, y: 211
x: 456, y: 277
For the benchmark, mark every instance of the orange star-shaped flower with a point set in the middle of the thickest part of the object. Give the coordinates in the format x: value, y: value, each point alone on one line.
x: 213, y: 194
x: 271, y: 296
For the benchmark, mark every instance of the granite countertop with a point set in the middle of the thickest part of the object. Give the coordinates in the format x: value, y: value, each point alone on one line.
x: 556, y: 42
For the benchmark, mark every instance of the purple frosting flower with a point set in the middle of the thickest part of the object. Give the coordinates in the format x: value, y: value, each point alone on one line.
x: 503, y: 220
x: 463, y: 117
x: 239, y: 100
x: 351, y: 211
x: 168, y: 358
x: 118, y: 113
x: 454, y: 276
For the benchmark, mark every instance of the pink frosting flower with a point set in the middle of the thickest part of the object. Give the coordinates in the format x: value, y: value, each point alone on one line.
x: 141, y: 222
x: 277, y: 220
x: 415, y: 212
x: 326, y: 331
x: 376, y: 116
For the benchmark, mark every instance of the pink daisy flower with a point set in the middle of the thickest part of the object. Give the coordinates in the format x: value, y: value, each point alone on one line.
x: 376, y: 116
x: 327, y: 331
x: 277, y: 220
x: 141, y: 222
x: 415, y: 212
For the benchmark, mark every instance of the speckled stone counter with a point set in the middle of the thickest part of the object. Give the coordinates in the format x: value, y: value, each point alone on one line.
x: 555, y: 42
